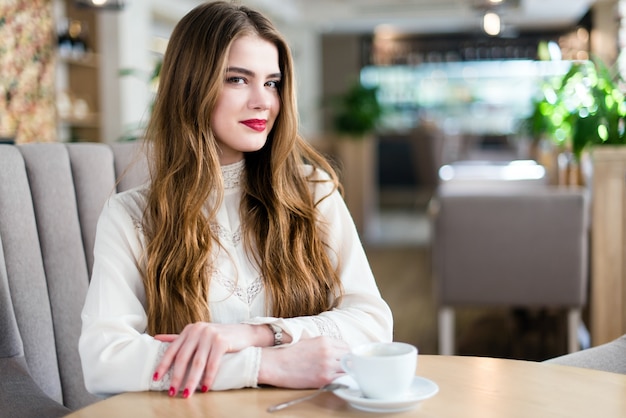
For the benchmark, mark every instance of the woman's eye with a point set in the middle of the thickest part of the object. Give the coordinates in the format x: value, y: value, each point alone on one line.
x: 235, y: 80
x: 273, y: 84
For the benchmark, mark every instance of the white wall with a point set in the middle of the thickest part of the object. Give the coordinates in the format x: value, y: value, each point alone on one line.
x: 124, y: 44
x: 305, y: 45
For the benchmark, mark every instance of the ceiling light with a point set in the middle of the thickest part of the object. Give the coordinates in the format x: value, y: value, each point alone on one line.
x: 491, y: 23
x: 385, y: 31
x: 100, y: 4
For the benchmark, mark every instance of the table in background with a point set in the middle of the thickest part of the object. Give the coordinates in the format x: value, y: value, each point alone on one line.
x: 468, y: 387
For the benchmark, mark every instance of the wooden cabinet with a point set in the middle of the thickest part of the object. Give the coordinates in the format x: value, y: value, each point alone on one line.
x: 78, y: 75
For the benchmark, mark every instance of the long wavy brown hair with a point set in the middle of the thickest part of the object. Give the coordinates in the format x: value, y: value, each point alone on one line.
x: 280, y: 223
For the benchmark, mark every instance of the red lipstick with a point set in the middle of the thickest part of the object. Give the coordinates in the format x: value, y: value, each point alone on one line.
x: 255, y: 124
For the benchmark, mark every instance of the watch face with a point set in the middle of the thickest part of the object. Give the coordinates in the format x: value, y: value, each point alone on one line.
x: 278, y: 334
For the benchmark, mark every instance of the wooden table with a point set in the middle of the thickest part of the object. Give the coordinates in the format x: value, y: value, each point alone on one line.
x: 468, y: 387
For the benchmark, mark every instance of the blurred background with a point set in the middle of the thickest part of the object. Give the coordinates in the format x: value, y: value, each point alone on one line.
x: 451, y: 81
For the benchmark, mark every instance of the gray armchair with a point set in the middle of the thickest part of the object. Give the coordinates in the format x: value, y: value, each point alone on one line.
x: 509, y: 246
x: 16, y: 379
x: 50, y: 199
x: 609, y: 357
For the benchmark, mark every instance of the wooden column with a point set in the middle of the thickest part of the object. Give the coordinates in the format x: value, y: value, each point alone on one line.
x: 358, y: 173
x: 608, y: 244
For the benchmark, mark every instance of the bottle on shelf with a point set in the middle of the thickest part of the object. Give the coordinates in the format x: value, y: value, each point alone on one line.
x: 71, y: 38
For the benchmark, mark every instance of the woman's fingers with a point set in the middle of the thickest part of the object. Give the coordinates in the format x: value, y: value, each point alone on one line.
x: 195, y: 355
x: 169, y: 355
x: 218, y: 349
x: 184, y: 356
x: 197, y: 366
x: 166, y: 338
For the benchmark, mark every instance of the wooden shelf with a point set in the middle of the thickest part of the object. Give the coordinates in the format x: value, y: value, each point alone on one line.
x: 90, y: 121
x: 89, y: 60
x: 78, y: 77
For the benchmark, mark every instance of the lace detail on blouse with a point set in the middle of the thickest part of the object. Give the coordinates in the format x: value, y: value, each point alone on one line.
x: 164, y: 381
x: 232, y: 174
x: 327, y: 327
x: 137, y: 224
x: 246, y: 295
x: 225, y: 235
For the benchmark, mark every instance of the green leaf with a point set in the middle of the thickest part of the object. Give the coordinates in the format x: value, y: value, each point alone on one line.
x: 357, y: 111
x: 583, y: 107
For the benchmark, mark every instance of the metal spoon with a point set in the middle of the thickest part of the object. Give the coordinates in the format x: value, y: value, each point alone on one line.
x: 326, y: 388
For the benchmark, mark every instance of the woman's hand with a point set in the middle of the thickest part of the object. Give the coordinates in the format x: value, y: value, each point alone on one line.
x: 309, y: 363
x: 196, y: 353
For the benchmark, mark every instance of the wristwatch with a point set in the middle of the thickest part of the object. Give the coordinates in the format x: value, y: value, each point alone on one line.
x: 278, y: 334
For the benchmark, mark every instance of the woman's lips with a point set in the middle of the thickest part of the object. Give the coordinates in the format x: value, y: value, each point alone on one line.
x: 256, y: 124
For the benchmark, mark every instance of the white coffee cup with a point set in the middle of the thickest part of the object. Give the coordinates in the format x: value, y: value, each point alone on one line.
x: 382, y: 370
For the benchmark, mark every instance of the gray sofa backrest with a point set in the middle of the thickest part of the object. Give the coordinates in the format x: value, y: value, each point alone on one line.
x: 50, y: 198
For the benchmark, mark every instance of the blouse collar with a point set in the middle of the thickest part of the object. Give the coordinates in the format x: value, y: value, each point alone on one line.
x: 232, y: 174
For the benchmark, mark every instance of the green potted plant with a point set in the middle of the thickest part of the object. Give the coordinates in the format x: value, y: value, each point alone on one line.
x: 357, y: 111
x: 585, y: 111
x: 582, y: 108
x: 355, y: 115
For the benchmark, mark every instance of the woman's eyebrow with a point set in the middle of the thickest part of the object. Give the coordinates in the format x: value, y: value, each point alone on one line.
x: 249, y: 73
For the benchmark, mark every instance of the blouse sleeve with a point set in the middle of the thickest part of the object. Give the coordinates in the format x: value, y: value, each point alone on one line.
x: 362, y: 315
x: 117, y: 354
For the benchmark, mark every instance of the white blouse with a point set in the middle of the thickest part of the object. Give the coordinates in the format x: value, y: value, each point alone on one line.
x: 118, y: 356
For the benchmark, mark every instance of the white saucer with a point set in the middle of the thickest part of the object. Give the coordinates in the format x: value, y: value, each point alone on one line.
x: 420, y: 390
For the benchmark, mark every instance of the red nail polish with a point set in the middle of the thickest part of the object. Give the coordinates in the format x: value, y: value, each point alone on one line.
x: 172, y: 391
x: 155, y: 376
x: 204, y: 389
x: 186, y: 393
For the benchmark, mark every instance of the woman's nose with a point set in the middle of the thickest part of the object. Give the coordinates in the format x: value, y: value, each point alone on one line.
x: 260, y: 98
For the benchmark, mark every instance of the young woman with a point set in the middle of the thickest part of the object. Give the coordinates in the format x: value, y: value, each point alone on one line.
x: 238, y: 264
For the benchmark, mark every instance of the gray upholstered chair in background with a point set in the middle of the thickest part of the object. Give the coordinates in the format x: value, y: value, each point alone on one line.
x: 510, y: 246
x: 50, y: 199
x: 609, y: 357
